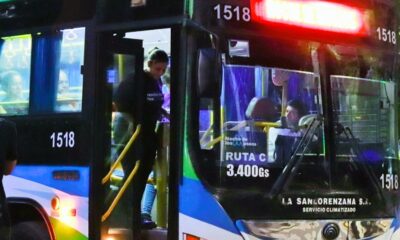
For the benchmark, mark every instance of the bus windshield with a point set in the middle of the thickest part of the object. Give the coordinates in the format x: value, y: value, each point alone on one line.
x: 287, y: 143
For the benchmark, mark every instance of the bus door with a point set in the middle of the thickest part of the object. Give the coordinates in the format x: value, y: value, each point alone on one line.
x: 121, y: 60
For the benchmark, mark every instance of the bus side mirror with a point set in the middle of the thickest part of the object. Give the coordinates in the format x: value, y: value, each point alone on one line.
x: 208, y: 73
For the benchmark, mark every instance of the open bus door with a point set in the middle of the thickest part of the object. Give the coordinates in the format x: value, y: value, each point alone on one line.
x: 119, y: 59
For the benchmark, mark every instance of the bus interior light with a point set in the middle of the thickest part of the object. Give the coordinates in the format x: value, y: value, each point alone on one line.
x: 311, y: 14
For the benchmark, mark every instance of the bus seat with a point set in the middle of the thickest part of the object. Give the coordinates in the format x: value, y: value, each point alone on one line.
x: 262, y: 109
x: 258, y: 110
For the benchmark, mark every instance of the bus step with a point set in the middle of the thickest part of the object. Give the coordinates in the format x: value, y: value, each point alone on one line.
x: 118, y: 234
x: 125, y: 234
x: 155, y: 234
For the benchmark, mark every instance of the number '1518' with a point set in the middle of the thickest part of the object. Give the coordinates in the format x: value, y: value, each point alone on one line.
x: 386, y: 35
x: 62, y: 139
x: 229, y: 12
x: 389, y: 181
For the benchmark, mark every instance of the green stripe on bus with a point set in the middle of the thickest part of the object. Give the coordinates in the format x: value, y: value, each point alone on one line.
x: 188, y: 170
x: 63, y: 231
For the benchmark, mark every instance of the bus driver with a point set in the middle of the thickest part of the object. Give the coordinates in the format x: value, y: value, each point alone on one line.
x: 285, y: 138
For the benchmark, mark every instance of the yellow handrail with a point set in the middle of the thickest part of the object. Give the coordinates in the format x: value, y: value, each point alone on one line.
x: 265, y: 125
x: 123, y: 153
x: 208, y: 131
x: 121, y: 192
x: 215, y: 141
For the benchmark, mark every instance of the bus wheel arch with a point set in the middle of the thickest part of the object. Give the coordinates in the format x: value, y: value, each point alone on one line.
x: 28, y: 218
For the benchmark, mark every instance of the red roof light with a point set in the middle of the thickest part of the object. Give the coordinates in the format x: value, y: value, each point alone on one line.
x: 312, y: 14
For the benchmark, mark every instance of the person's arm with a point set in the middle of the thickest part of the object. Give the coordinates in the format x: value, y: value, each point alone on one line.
x: 11, y: 151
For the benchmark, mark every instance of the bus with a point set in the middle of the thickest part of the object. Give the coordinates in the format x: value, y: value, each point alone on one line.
x: 231, y: 164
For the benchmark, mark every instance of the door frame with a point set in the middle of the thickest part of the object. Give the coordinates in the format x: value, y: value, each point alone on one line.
x: 107, y: 44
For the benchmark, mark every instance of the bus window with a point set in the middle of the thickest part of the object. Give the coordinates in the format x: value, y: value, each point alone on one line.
x: 259, y: 131
x: 15, y: 66
x: 70, y: 79
x: 365, y: 109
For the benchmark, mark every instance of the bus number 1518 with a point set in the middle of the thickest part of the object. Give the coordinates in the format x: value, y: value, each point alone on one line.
x: 229, y: 12
x: 62, y: 139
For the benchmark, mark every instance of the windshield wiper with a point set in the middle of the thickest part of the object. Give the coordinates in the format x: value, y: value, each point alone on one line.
x: 293, y: 164
x: 366, y: 169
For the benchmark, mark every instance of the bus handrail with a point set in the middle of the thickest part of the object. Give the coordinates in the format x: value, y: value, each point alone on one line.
x: 265, y: 125
x: 123, y: 153
x: 206, y: 134
x: 121, y: 192
x: 241, y: 124
x: 215, y: 141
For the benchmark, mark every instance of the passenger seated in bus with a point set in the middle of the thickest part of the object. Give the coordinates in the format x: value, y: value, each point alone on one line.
x: 64, y: 101
x: 288, y: 136
x: 14, y: 101
x: 63, y: 83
